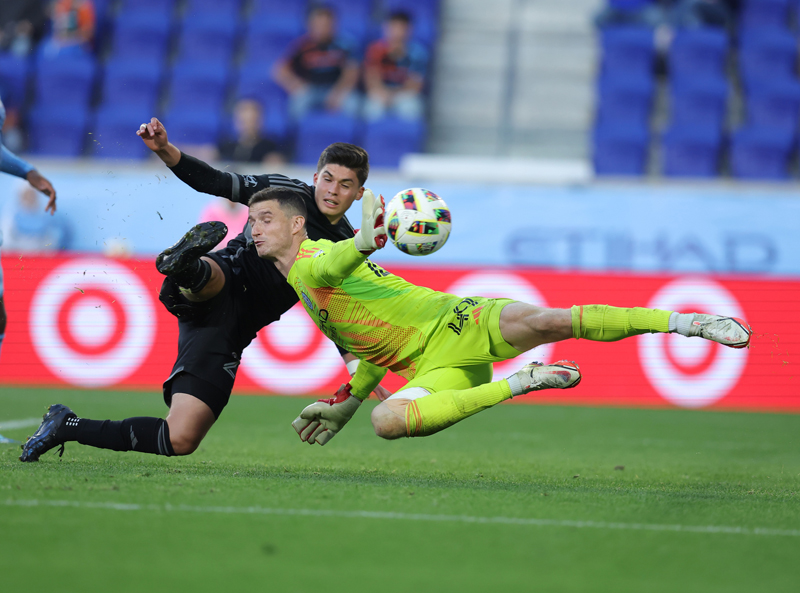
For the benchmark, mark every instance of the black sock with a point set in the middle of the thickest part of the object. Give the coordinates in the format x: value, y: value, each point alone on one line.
x: 143, y: 434
x: 195, y: 276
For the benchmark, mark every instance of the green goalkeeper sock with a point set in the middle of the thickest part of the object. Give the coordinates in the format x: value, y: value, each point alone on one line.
x: 432, y: 413
x: 604, y: 323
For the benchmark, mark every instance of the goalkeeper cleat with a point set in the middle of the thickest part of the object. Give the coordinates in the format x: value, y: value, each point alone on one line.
x: 181, y: 257
x: 562, y: 374
x: 728, y: 331
x: 46, y: 437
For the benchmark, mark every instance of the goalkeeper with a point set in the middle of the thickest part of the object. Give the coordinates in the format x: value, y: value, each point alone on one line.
x: 444, y: 345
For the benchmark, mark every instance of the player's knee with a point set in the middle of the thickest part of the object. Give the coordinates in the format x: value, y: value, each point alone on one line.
x: 184, y: 444
x: 388, y: 424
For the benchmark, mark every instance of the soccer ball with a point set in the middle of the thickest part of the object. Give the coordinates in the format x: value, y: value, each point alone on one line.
x: 417, y: 221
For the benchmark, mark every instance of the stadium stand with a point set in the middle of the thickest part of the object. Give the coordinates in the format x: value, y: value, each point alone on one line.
x: 184, y: 58
x: 58, y: 132
x: 620, y: 149
x: 318, y: 129
x: 691, y: 150
x: 387, y: 140
x: 761, y: 153
x: 112, y: 130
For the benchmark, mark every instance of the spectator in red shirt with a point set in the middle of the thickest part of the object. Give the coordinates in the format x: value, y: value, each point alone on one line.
x: 394, y: 72
x: 319, y: 70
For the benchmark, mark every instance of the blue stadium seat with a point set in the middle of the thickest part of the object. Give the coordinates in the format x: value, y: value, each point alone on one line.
x: 774, y: 104
x: 193, y: 126
x: 254, y: 80
x: 199, y: 85
x: 698, y: 53
x: 387, y: 140
x: 210, y: 37
x: 129, y: 82
x: 425, y: 18
x: 691, y: 151
x: 620, y: 149
x: 13, y: 79
x: 140, y: 36
x: 293, y: 10
x: 761, y: 153
x: 353, y: 19
x: 766, y: 55
x: 114, y: 135
x: 152, y: 9
x: 58, y: 130
x: 764, y: 14
x: 625, y: 99
x: 222, y: 8
x: 627, y: 49
x: 317, y: 130
x: 699, y: 101
x: 268, y: 39
x: 65, y: 80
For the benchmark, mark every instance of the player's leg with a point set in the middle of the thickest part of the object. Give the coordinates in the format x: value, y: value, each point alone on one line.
x: 443, y: 397
x: 3, y: 317
x: 199, y: 277
x: 526, y: 326
x: 190, y: 418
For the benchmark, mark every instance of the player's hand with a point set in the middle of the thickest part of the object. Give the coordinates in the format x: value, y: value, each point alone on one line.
x: 154, y: 135
x: 382, y: 393
x: 371, y: 235
x: 319, y: 422
x: 43, y: 185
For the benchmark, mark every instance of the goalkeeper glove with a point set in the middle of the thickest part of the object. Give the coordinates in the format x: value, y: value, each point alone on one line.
x: 320, y: 421
x: 372, y: 235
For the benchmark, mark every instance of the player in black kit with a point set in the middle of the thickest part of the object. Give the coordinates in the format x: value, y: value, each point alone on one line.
x: 220, y: 299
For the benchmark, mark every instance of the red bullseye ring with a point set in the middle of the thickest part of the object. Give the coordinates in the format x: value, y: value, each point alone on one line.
x: 66, y: 332
x: 292, y: 355
x: 699, y: 367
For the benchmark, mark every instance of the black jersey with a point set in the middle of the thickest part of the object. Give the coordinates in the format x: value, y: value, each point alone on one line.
x: 259, y: 291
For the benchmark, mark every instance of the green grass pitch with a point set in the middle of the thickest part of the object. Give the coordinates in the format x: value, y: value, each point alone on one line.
x: 519, y: 498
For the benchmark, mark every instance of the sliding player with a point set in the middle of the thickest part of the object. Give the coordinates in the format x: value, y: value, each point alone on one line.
x: 443, y: 344
x: 221, y: 300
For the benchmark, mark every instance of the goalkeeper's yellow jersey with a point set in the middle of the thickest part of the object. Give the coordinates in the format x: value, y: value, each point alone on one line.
x: 366, y: 310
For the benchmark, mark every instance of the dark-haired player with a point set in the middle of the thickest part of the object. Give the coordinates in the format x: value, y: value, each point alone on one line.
x: 221, y: 300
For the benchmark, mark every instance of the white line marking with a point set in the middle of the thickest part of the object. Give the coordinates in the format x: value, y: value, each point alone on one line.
x: 25, y: 423
x: 383, y: 515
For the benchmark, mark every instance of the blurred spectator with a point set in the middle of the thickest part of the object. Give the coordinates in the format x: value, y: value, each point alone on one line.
x: 250, y: 145
x: 73, y: 28
x: 27, y: 227
x: 233, y: 214
x: 22, y: 24
x: 319, y: 70
x: 394, y: 72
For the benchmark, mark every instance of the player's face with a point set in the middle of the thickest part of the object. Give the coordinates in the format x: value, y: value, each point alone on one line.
x: 335, y: 189
x: 271, y: 228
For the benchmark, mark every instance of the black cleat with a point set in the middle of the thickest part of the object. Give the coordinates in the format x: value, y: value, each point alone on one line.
x: 200, y: 239
x: 46, y: 437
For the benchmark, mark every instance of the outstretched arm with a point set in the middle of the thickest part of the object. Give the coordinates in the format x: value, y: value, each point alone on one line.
x: 13, y: 165
x: 193, y: 172
x: 344, y: 257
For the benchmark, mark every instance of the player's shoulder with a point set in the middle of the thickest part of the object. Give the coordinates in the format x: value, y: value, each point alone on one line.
x: 311, y: 249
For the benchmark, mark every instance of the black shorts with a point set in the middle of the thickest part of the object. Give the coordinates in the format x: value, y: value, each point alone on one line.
x: 214, y: 397
x: 213, y: 334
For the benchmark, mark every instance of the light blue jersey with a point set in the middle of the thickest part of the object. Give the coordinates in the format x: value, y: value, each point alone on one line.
x: 9, y: 162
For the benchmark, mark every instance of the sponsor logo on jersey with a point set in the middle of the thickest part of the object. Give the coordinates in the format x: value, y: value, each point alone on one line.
x: 461, y: 315
x: 250, y: 181
x: 307, y: 300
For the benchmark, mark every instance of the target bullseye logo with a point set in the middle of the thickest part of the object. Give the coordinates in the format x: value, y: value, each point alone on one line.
x: 92, y: 322
x: 292, y: 356
x: 692, y: 372
x: 509, y: 286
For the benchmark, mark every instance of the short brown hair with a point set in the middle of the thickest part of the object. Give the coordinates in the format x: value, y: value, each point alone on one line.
x: 346, y: 155
x: 290, y: 201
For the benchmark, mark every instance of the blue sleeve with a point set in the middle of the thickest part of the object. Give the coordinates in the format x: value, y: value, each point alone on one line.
x: 12, y: 164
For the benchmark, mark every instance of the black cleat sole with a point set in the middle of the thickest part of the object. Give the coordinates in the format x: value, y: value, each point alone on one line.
x: 198, y: 241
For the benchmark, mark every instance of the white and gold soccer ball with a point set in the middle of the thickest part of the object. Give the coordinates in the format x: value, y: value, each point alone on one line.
x: 417, y: 221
